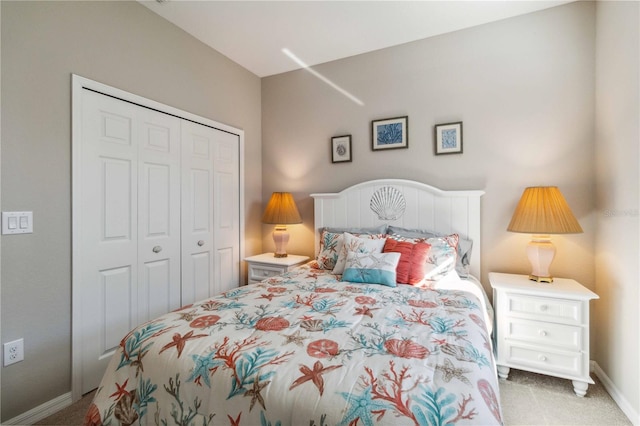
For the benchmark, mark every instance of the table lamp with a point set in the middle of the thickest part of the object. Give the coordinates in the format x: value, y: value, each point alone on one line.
x: 542, y: 211
x: 281, y: 211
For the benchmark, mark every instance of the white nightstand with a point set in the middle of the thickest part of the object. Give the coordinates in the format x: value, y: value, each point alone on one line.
x: 543, y: 328
x: 265, y: 265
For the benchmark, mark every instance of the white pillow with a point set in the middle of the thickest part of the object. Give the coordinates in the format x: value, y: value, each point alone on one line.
x: 442, y: 257
x: 362, y: 244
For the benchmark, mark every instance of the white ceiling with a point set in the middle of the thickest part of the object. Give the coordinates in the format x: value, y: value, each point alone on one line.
x: 254, y: 33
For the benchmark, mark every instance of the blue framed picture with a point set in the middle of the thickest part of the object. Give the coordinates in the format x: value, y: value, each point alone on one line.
x: 448, y: 138
x: 390, y: 133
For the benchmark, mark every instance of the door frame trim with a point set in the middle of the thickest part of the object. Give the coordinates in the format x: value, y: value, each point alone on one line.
x: 78, y: 84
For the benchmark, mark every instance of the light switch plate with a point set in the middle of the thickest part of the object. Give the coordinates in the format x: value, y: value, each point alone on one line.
x: 17, y: 223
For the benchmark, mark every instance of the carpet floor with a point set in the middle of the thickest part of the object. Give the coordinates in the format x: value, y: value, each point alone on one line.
x: 536, y: 399
x: 527, y: 399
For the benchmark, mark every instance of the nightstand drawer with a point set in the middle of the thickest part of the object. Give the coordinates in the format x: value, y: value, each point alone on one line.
x: 543, y: 308
x: 564, y: 363
x: 261, y: 272
x: 562, y: 336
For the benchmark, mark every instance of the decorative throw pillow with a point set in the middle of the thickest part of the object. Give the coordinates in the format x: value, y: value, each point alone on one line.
x: 413, y: 260
x: 442, y: 254
x: 362, y: 244
x: 330, y: 246
x: 464, y: 245
x: 331, y: 241
x: 371, y: 268
x: 442, y: 257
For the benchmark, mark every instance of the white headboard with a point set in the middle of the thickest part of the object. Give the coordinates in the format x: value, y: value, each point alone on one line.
x: 403, y: 203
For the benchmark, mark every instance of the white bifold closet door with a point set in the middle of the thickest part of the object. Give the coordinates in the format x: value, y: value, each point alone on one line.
x: 210, y: 219
x: 159, y: 220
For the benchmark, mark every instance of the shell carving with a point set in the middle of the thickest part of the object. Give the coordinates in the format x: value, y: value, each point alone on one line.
x: 388, y: 203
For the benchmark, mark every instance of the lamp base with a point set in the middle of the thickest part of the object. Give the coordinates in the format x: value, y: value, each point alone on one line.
x: 280, y: 239
x: 541, y: 252
x: 541, y: 279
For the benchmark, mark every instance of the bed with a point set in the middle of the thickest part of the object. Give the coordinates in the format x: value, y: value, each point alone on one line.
x: 317, y: 347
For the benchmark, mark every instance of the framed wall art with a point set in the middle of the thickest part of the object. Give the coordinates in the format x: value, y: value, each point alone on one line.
x: 390, y: 133
x: 448, y: 138
x: 341, y: 149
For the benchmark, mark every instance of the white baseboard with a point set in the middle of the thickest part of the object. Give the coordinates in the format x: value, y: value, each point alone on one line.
x: 42, y: 411
x: 619, y: 399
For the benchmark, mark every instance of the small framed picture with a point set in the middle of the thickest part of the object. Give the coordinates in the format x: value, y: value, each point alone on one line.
x: 341, y: 149
x: 390, y: 133
x: 448, y: 138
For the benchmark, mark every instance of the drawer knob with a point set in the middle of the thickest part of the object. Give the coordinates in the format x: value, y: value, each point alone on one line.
x: 544, y: 308
x: 156, y: 249
x: 542, y: 333
x: 201, y: 243
x: 265, y: 273
x: 542, y: 358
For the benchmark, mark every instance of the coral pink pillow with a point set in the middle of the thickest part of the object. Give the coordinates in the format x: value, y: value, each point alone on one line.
x: 413, y: 260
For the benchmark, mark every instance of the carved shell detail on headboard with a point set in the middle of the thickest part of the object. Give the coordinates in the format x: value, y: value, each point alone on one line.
x: 388, y: 203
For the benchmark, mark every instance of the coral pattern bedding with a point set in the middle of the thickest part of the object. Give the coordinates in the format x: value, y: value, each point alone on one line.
x: 307, y: 349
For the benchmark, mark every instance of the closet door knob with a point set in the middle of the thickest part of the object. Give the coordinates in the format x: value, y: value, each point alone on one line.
x: 201, y: 243
x: 157, y: 249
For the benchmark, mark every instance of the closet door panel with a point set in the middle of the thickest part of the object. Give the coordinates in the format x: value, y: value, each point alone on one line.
x: 109, y: 209
x: 201, y: 201
x: 224, y: 272
x: 159, y: 213
x: 197, y: 212
x: 199, y: 286
x: 115, y: 200
x: 116, y: 287
x: 227, y: 211
x: 156, y: 288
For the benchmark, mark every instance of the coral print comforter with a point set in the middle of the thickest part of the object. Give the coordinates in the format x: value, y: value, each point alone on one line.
x: 307, y: 349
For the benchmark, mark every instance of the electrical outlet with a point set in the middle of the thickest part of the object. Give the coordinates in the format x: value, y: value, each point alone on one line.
x: 13, y: 352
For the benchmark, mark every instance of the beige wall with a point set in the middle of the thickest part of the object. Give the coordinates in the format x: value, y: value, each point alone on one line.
x: 124, y: 45
x: 618, y: 199
x: 524, y: 89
